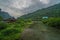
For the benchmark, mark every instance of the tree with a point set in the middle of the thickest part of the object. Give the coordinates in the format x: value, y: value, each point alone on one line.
x: 1, y: 18
x: 0, y: 9
x: 54, y: 22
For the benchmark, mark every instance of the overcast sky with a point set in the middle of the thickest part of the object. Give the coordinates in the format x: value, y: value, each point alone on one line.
x: 20, y: 7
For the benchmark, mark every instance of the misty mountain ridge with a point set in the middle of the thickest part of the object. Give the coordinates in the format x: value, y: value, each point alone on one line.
x: 40, y: 12
x: 4, y: 15
x: 52, y: 11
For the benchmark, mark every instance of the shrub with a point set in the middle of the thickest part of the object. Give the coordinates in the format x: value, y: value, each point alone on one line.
x: 3, y: 25
x: 9, y: 32
x: 1, y: 18
x: 53, y: 22
x: 45, y: 21
x: 12, y: 31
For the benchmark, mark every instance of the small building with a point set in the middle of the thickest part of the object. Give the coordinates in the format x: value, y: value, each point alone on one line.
x: 45, y: 17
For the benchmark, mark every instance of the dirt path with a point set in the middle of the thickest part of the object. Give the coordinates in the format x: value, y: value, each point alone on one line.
x: 38, y: 31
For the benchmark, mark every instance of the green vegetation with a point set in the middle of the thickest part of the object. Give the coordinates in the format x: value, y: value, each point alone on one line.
x: 52, y: 22
x: 12, y: 30
x: 1, y: 18
x: 53, y: 14
x: 53, y: 11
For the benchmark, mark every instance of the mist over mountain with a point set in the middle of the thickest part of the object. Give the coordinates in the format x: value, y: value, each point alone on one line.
x: 17, y: 8
x: 4, y: 15
x: 52, y: 11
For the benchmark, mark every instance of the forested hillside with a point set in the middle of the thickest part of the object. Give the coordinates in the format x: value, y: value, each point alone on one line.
x: 4, y: 15
x: 53, y: 11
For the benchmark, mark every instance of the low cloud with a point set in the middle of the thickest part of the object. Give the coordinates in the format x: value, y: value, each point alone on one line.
x: 21, y: 3
x: 20, y: 7
x: 45, y: 1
